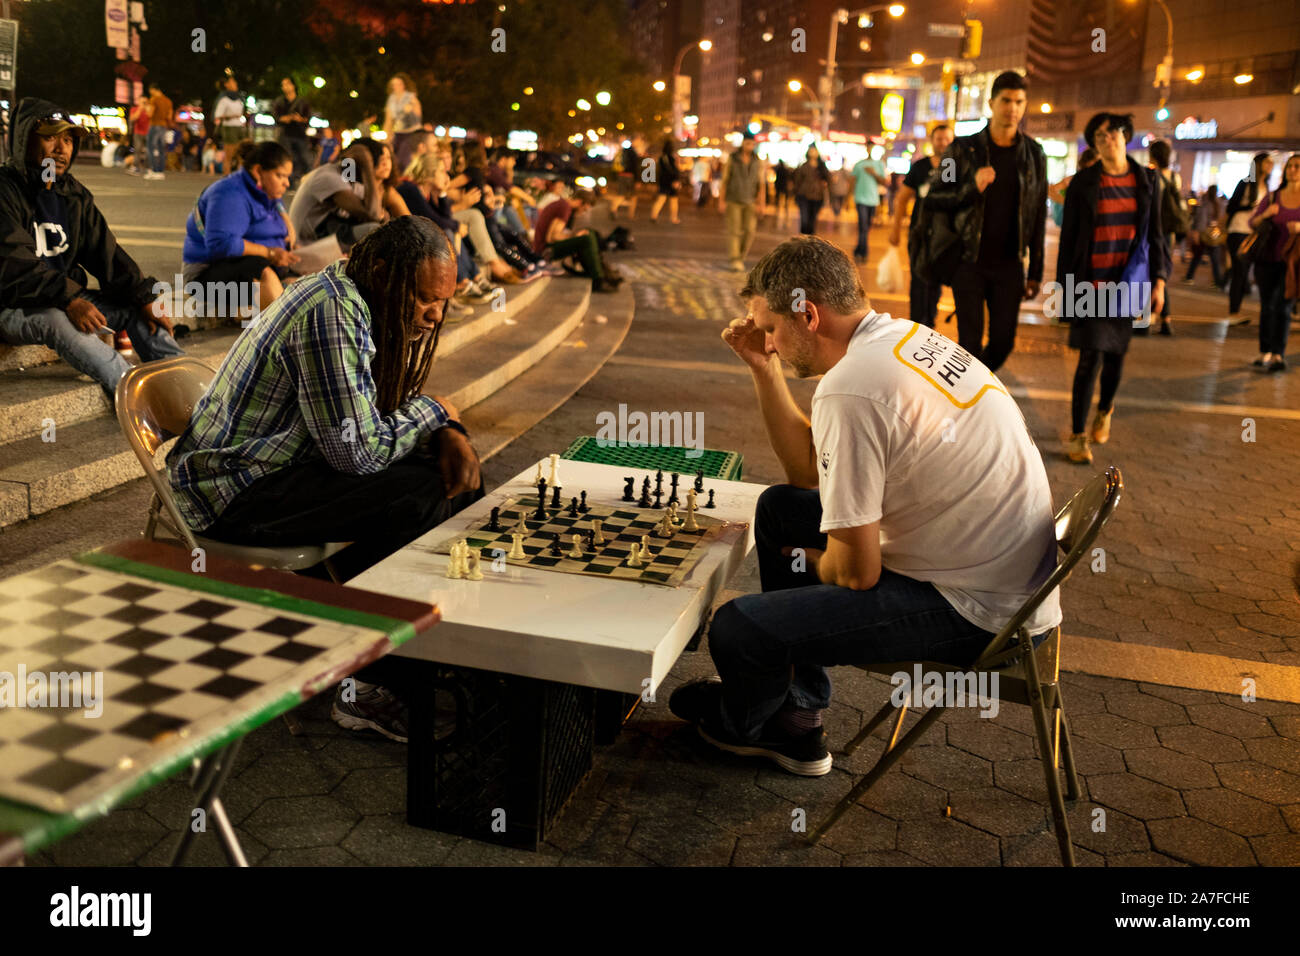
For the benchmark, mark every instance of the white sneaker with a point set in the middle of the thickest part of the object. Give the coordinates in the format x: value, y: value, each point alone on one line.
x: 152, y: 175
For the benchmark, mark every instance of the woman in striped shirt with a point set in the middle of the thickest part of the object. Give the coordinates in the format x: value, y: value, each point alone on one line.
x: 1110, y: 225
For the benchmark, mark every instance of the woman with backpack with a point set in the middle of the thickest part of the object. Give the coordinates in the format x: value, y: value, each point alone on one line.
x: 1244, y: 199
x: 1175, y: 217
x: 1111, y: 237
x: 1277, y: 222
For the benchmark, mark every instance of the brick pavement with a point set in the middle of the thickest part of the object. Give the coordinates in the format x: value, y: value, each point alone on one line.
x: 1200, y: 556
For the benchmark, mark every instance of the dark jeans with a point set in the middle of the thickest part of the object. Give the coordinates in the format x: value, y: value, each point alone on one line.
x: 509, y: 245
x: 772, y: 649
x: 300, y: 150
x: 865, y: 213
x: 1002, y: 286
x: 1085, y: 376
x: 587, y: 250
x: 1170, y: 249
x: 1274, y: 306
x: 1216, y: 261
x: 924, y: 300
x: 310, y: 502
x: 809, y: 209
x: 1240, y: 268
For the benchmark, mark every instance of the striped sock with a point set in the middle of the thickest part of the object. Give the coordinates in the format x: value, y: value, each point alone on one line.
x: 797, y: 721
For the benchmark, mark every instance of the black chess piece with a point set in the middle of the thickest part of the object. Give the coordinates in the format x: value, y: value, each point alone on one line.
x: 582, y: 505
x: 556, y: 550
x: 555, y: 498
x: 494, y: 523
x: 699, y: 482
x: 672, y: 496
x: 541, y: 514
x: 629, y: 489
x: 644, y: 501
x: 709, y: 503
x: 573, y: 507
x: 659, y: 480
x: 589, y: 541
x: 659, y: 494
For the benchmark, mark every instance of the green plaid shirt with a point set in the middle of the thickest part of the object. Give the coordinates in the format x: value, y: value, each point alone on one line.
x: 296, y: 385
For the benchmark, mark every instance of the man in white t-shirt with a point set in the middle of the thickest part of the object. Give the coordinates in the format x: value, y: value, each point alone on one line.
x: 917, y: 519
x: 328, y: 203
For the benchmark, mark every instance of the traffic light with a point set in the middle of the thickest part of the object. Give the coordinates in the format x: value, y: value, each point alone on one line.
x: 1162, y: 114
x: 970, y: 44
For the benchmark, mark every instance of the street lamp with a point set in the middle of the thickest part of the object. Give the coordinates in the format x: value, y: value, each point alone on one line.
x: 603, y: 97
x: 794, y: 86
x: 678, y: 106
x: 895, y: 10
x: 918, y: 59
x: 1165, y: 72
x: 660, y: 86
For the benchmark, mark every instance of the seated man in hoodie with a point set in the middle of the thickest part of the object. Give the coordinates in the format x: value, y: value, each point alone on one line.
x: 238, y: 232
x: 51, y: 236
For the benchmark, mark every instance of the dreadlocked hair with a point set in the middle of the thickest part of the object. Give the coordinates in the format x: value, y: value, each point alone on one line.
x: 384, y: 266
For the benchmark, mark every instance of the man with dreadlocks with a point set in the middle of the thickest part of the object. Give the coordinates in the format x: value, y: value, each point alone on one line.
x: 315, y: 428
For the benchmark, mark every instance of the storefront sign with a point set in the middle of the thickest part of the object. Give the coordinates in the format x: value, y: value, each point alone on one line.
x: 1193, y: 128
x: 115, y: 22
x: 891, y: 113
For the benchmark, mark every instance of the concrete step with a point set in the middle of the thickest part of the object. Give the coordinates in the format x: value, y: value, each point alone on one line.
x: 37, y: 476
x: 493, y: 360
x: 501, y: 418
x: 25, y: 356
x: 515, y: 302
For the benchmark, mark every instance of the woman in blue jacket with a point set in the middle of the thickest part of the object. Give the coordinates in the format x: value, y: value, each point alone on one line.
x: 238, y: 232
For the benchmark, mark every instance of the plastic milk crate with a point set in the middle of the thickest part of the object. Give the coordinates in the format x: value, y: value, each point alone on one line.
x: 493, y: 756
x: 715, y: 463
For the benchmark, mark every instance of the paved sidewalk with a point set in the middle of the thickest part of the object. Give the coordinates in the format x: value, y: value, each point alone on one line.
x: 1197, y: 595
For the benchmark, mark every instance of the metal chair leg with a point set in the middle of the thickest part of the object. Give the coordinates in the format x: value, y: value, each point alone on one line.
x: 229, y: 842
x: 868, y: 727
x: 1036, y: 705
x: 293, y: 723
x: 330, y: 570
x: 210, y: 776
x: 1071, y: 777
x: 887, y: 760
x: 898, y: 726
x: 151, y: 525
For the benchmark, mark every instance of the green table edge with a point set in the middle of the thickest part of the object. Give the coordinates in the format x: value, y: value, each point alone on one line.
x: 732, y: 470
x: 39, y: 828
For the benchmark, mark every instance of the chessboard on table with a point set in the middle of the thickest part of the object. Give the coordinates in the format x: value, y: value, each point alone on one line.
x: 185, y: 659
x: 670, y: 561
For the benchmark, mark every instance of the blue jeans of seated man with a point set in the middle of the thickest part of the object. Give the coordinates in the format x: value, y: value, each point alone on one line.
x: 86, y: 352
x: 772, y: 649
x: 157, y: 146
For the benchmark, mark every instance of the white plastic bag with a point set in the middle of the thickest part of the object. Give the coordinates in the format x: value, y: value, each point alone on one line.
x: 889, y: 274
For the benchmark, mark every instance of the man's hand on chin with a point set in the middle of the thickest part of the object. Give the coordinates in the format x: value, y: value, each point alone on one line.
x: 457, y: 462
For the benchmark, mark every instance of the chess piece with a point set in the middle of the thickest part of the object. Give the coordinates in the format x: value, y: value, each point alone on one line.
x: 573, y: 507
x: 453, y: 560
x: 659, y: 480
x: 659, y: 494
x: 699, y: 482
x: 538, y: 479
x: 555, y: 549
x: 645, y: 545
x: 672, y: 514
x: 634, y: 557
x: 582, y: 506
x: 516, y: 546
x: 589, y: 541
x: 577, y: 547
x: 709, y: 503
x: 521, y: 526
x: 494, y: 522
x: 597, y: 537
x: 629, y: 489
x: 555, y: 470
x: 665, y: 527
x: 541, y: 514
x: 475, y: 573
x: 691, y: 507
x: 672, y: 490
x: 555, y: 498
x: 645, y: 494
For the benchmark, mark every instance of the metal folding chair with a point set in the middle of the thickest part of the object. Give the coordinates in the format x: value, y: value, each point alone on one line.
x: 1025, y: 675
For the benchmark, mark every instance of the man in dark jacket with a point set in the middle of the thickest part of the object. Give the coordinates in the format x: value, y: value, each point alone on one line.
x: 51, y: 235
x: 994, y: 185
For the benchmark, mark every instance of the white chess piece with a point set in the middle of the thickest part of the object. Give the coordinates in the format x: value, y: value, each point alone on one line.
x: 672, y: 514
x: 634, y: 557
x: 598, y: 537
x: 691, y: 507
x: 516, y: 546
x: 577, y: 547
x: 464, y: 558
x: 538, y: 479
x: 474, y: 573
x: 453, y: 560
x: 665, y: 528
x: 645, y: 546
x: 555, y: 471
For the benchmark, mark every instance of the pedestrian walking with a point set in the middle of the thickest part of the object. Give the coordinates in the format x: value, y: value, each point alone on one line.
x: 1277, y: 263
x: 841, y: 183
x: 1207, y: 236
x: 1240, y: 207
x: 997, y: 197
x: 923, y: 295
x: 811, y: 182
x: 1111, y: 237
x: 1174, y: 215
x: 293, y: 118
x: 868, y: 176
x: 669, y: 177
x: 628, y: 177
x: 161, y: 117
x: 140, y: 136
x: 701, y: 174
x: 743, y: 184
x: 781, y: 187
x: 228, y: 113
x: 402, y: 118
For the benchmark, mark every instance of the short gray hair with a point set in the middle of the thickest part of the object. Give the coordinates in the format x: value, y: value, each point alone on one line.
x: 825, y: 274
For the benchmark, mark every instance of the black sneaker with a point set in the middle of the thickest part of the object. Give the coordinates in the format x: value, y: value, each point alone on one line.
x: 1166, y: 328
x: 375, y: 708
x: 1277, y: 365
x: 699, y: 702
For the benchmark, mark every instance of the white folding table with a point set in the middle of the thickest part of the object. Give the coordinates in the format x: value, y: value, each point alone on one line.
x: 502, y: 692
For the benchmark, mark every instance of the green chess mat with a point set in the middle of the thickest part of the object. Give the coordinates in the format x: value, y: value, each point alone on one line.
x: 715, y: 463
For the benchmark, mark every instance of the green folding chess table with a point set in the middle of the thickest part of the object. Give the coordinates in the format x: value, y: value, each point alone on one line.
x: 715, y: 463
x: 149, y: 665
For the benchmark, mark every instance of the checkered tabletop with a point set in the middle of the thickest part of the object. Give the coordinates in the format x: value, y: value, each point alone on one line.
x: 176, y: 664
x: 670, y: 560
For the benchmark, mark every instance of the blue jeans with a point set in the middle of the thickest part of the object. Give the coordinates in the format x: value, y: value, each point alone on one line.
x: 809, y: 209
x: 772, y: 649
x: 86, y: 352
x: 156, y: 143
x: 865, y: 213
